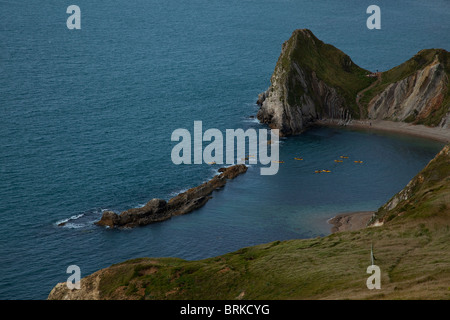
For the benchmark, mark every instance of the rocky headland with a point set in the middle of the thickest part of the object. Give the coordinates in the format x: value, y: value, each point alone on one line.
x: 157, y: 210
x: 315, y: 82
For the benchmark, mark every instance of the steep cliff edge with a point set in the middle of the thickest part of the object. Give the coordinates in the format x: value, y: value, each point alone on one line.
x: 313, y: 80
x: 426, y: 195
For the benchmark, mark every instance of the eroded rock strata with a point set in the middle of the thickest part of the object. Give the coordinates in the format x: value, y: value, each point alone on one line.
x: 420, y: 96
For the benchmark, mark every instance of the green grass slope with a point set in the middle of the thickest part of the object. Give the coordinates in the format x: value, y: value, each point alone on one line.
x: 427, y: 195
x: 411, y: 248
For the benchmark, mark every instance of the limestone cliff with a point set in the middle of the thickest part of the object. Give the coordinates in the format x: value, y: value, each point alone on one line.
x: 416, y: 91
x: 313, y: 80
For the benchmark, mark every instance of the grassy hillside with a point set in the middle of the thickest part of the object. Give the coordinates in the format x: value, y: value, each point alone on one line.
x: 330, y: 65
x: 427, y: 195
x: 411, y: 248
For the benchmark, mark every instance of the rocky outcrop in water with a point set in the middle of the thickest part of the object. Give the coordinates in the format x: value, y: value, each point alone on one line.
x: 157, y: 210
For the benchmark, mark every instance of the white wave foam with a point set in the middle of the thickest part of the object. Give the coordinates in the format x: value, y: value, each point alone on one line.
x: 175, y: 193
x: 75, y: 217
x: 252, y: 120
x: 73, y: 225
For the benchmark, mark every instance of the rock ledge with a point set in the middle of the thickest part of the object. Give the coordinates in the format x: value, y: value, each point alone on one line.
x: 157, y: 210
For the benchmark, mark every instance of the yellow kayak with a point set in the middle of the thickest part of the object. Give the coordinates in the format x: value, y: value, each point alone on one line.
x: 344, y: 157
x: 338, y: 161
x: 358, y: 161
x: 298, y: 158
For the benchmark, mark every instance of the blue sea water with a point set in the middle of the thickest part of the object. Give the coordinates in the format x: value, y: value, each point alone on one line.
x: 86, y: 118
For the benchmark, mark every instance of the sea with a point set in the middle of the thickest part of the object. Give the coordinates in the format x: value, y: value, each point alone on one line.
x: 86, y: 117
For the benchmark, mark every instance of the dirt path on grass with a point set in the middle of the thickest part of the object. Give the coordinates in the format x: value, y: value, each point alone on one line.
x: 361, y: 93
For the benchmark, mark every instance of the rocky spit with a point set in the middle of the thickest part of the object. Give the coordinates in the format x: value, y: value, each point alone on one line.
x: 157, y: 210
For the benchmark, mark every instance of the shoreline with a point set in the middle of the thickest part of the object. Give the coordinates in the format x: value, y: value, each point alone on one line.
x: 418, y: 130
x: 350, y: 221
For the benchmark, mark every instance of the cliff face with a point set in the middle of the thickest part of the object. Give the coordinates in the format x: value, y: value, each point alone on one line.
x: 419, y: 98
x: 426, y: 195
x: 313, y: 80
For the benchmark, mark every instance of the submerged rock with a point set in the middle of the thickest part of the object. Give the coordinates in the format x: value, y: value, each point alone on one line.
x: 157, y: 210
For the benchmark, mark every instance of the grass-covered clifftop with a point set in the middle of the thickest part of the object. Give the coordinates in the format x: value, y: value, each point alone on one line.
x: 411, y: 247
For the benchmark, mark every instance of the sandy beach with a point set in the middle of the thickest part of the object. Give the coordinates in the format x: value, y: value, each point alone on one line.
x: 358, y: 220
x: 350, y: 221
x: 439, y: 134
